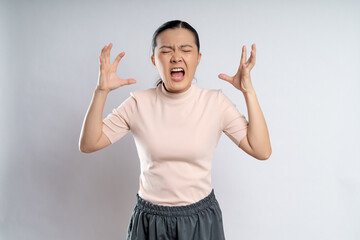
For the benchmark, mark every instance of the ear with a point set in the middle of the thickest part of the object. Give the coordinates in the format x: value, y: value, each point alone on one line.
x: 199, y: 57
x: 153, y: 60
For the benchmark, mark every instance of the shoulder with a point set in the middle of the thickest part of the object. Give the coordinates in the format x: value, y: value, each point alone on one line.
x: 218, y: 98
x: 207, y: 93
x: 137, y: 97
x: 143, y: 94
x: 214, y: 97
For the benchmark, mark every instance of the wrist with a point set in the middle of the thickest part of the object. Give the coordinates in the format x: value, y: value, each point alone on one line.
x: 249, y: 92
x: 101, y: 91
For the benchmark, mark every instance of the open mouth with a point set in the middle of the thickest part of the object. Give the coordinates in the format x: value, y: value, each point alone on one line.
x: 177, y: 73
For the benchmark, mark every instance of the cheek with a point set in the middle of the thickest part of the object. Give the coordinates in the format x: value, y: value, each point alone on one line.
x: 164, y: 60
x: 192, y: 63
x: 161, y: 63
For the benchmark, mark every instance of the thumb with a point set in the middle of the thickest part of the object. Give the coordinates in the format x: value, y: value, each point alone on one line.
x: 225, y: 77
x: 130, y: 81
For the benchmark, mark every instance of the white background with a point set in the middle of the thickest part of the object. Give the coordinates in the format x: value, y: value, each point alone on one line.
x: 306, y: 79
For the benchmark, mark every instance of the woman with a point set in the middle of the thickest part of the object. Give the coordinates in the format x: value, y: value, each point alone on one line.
x: 176, y: 127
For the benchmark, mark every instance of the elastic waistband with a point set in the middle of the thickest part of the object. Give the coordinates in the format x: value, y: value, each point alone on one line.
x: 190, y: 209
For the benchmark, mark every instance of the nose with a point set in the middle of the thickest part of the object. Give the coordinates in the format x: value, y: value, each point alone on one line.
x: 176, y: 57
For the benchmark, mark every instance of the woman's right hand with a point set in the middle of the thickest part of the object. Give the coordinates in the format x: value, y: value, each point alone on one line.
x: 108, y: 79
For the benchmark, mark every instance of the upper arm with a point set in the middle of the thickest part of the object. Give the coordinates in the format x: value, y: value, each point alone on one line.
x: 232, y: 122
x: 117, y: 123
x: 245, y: 145
x: 101, y: 143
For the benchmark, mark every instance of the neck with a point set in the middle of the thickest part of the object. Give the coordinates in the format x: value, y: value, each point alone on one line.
x: 183, y: 90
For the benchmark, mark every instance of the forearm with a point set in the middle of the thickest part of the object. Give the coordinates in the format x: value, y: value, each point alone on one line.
x: 258, y: 135
x: 92, y: 125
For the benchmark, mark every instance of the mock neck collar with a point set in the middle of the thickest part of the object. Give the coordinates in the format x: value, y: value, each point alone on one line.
x: 175, y: 97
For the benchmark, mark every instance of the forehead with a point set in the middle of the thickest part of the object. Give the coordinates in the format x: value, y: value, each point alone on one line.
x: 175, y: 36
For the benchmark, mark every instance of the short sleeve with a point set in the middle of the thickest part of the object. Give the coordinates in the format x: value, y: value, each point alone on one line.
x: 233, y: 123
x: 117, y: 123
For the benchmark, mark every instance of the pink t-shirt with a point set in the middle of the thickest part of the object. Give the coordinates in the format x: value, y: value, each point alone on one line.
x: 176, y: 135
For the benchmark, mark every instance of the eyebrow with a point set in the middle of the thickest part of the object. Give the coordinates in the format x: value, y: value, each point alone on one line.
x: 182, y: 46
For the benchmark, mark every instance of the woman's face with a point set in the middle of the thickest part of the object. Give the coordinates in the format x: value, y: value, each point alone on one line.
x: 176, y: 48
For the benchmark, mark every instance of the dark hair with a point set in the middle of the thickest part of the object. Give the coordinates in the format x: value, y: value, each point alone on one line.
x: 173, y: 25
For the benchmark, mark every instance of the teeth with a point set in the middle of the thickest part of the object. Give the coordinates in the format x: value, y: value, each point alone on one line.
x: 177, y: 70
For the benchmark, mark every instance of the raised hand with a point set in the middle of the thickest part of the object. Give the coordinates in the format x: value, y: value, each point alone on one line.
x: 108, y: 79
x: 241, y: 80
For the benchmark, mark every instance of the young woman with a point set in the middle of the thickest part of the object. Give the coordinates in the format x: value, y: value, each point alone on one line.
x: 176, y: 127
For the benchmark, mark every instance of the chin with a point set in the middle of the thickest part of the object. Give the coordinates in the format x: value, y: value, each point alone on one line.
x: 177, y: 85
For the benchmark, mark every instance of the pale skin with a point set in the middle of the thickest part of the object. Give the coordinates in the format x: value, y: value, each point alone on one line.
x: 92, y: 138
x: 176, y: 48
x: 257, y: 141
x: 181, y: 51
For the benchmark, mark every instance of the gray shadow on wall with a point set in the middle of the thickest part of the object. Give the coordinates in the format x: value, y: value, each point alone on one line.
x: 114, y: 172
x: 53, y: 188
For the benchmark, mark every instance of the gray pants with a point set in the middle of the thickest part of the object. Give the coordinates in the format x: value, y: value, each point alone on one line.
x: 199, y: 221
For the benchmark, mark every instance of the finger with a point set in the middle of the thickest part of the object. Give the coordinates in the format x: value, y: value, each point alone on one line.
x: 103, y: 49
x: 127, y: 81
x: 102, y: 54
x: 243, y: 57
x: 109, y: 50
x: 244, y: 50
x: 118, y: 58
x: 252, y: 58
x: 108, y: 53
x: 102, y: 58
x: 225, y: 77
x: 101, y: 62
x: 105, y: 55
x: 130, y: 81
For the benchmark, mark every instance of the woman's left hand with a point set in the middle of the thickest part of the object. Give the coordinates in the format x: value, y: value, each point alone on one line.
x: 241, y: 80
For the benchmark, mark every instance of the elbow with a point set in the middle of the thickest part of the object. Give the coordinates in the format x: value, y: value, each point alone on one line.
x: 84, y: 149
x: 265, y: 155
